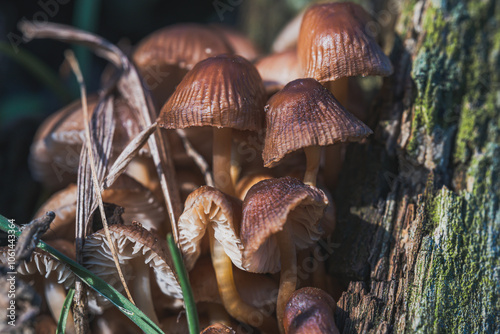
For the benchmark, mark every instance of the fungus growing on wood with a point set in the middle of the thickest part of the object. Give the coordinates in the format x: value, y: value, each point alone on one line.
x: 209, y: 210
x: 223, y: 92
x: 305, y: 115
x: 310, y: 310
x: 139, y: 251
x: 279, y: 217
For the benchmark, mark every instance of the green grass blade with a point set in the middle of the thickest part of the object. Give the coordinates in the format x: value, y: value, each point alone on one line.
x: 95, y: 282
x: 63, y: 318
x: 38, y: 69
x: 187, y: 293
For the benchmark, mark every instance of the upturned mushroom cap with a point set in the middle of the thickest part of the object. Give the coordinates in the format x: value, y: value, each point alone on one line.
x: 333, y: 43
x: 182, y: 45
x: 204, y: 206
x: 223, y: 91
x: 303, y: 114
x: 267, y: 207
x: 44, y: 264
x: 131, y: 241
x: 310, y: 310
x: 278, y: 69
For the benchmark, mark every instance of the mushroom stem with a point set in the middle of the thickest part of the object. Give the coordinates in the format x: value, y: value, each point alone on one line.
x: 288, y: 275
x: 231, y: 299
x: 222, y: 160
x: 55, y: 294
x: 141, y: 289
x: 313, y: 155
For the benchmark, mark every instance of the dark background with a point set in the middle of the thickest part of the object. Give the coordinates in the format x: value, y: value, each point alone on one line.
x: 25, y: 101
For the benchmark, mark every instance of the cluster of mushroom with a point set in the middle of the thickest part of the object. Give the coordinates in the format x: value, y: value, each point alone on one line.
x: 252, y: 221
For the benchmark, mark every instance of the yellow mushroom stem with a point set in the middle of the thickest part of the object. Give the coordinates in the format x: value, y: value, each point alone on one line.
x: 288, y: 275
x: 333, y: 153
x: 313, y: 156
x: 222, y: 160
x: 231, y: 299
x: 55, y: 294
x: 141, y: 289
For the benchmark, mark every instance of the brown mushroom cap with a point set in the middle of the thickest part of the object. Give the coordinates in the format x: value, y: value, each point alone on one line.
x: 182, y: 45
x: 222, y: 91
x: 278, y: 69
x: 140, y: 205
x: 204, y: 206
x: 333, y: 43
x: 248, y: 181
x: 270, y: 204
x: 218, y: 329
x: 304, y: 114
x: 310, y: 310
x: 131, y: 241
x: 240, y: 44
x: 55, y: 152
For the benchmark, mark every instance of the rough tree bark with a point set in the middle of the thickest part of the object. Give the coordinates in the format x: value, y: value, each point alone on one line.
x: 419, y: 223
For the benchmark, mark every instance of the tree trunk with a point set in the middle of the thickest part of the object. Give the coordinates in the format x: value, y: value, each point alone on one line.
x: 418, y: 205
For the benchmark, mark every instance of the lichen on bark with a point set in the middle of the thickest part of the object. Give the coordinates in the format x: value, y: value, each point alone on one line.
x: 420, y: 227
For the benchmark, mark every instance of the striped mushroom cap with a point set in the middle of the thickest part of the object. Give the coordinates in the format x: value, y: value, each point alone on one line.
x: 208, y: 206
x: 224, y: 91
x: 165, y: 56
x: 218, y: 329
x: 304, y: 114
x: 132, y: 242
x: 310, y: 310
x: 333, y: 43
x: 183, y: 45
x: 267, y: 207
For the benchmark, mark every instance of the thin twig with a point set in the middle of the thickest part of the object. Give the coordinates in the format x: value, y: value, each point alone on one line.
x: 70, y: 56
x: 30, y: 236
x: 198, y: 159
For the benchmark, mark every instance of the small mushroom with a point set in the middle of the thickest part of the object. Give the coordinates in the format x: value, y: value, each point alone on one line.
x: 240, y: 44
x: 209, y: 210
x: 333, y: 43
x: 278, y: 69
x: 138, y: 251
x: 166, y: 55
x: 139, y: 203
x: 332, y: 46
x: 310, y: 310
x: 248, y: 181
x: 305, y: 115
x: 224, y: 92
x: 55, y: 152
x: 218, y: 329
x: 280, y: 216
